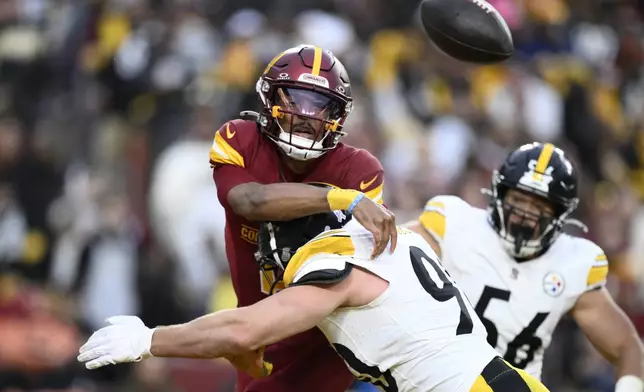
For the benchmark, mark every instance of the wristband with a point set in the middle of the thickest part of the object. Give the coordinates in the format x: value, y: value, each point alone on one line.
x: 354, y: 203
x: 629, y: 383
x: 341, y: 199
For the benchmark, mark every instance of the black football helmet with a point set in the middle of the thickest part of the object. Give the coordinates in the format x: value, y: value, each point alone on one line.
x: 278, y: 241
x: 537, y: 169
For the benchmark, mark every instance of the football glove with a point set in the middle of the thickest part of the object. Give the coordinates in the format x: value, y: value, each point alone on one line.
x: 125, y: 339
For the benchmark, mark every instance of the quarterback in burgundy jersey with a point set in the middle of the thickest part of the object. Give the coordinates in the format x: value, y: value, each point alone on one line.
x: 262, y: 167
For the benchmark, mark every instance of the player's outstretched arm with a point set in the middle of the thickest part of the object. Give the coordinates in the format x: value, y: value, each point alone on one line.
x: 283, y: 201
x: 612, y: 333
x: 237, y: 331
x: 230, y: 333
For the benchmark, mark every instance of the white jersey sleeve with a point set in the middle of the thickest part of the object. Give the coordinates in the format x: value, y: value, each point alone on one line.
x: 590, y: 265
x: 434, y: 215
x: 445, y: 218
x: 598, y: 271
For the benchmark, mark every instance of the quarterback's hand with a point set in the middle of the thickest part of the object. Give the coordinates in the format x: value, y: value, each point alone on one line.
x: 126, y: 339
x: 380, y: 222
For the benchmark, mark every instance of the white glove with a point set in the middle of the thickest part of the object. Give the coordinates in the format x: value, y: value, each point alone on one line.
x: 126, y: 339
x: 629, y: 383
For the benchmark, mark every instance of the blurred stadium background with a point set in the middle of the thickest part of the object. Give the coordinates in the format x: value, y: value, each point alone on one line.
x: 108, y: 107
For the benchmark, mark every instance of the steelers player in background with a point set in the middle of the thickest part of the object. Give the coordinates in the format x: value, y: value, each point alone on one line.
x: 522, y: 273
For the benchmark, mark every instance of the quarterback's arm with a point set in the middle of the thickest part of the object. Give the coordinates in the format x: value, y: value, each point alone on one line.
x: 281, y: 201
x: 233, y: 332
x: 285, y: 201
x: 238, y: 189
x: 611, y: 332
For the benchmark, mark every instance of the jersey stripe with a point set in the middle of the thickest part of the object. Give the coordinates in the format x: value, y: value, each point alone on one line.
x: 598, y: 272
x: 434, y: 205
x: 544, y: 159
x: 338, y: 244
x: 221, y: 152
x: 601, y: 260
x: 433, y: 219
x: 435, y: 223
x: 376, y: 193
x: 597, y: 275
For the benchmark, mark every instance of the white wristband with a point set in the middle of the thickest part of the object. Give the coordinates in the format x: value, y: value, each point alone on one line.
x: 629, y: 383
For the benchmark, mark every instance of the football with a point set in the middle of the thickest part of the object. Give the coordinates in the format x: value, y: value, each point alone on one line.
x: 468, y: 30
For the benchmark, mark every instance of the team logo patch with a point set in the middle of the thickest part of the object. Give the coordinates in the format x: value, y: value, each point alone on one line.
x: 553, y: 284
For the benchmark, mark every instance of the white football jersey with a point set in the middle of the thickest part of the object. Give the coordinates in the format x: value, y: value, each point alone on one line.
x: 421, y: 334
x: 519, y: 303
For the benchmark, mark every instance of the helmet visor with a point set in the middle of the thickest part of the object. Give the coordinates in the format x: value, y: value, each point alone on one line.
x: 309, y: 104
x: 307, y: 118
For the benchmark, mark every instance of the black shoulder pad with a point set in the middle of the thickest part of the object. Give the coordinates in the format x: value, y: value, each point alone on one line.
x: 325, y: 276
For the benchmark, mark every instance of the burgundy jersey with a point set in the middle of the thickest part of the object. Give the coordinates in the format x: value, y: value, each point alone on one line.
x: 241, y: 154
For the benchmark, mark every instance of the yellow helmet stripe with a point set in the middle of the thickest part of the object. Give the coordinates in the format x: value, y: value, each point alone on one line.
x: 544, y: 159
x: 275, y: 59
x: 317, y: 61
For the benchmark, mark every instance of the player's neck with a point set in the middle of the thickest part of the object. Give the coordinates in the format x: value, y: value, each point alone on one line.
x: 295, y: 166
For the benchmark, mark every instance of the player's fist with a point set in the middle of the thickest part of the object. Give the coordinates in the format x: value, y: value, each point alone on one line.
x: 380, y: 222
x: 125, y: 339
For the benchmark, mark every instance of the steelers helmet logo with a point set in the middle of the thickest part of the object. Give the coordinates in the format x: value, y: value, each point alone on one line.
x: 553, y: 284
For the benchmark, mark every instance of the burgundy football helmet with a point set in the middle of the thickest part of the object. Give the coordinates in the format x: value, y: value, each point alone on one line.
x: 306, y: 97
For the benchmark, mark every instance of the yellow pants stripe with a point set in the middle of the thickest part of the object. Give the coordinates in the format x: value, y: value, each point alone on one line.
x: 500, y: 376
x: 480, y: 385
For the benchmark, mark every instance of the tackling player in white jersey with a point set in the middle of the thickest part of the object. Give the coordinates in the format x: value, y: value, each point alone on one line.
x: 398, y: 321
x: 522, y: 273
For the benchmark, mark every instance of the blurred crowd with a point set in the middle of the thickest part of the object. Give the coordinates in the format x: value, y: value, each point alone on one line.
x: 108, y: 109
